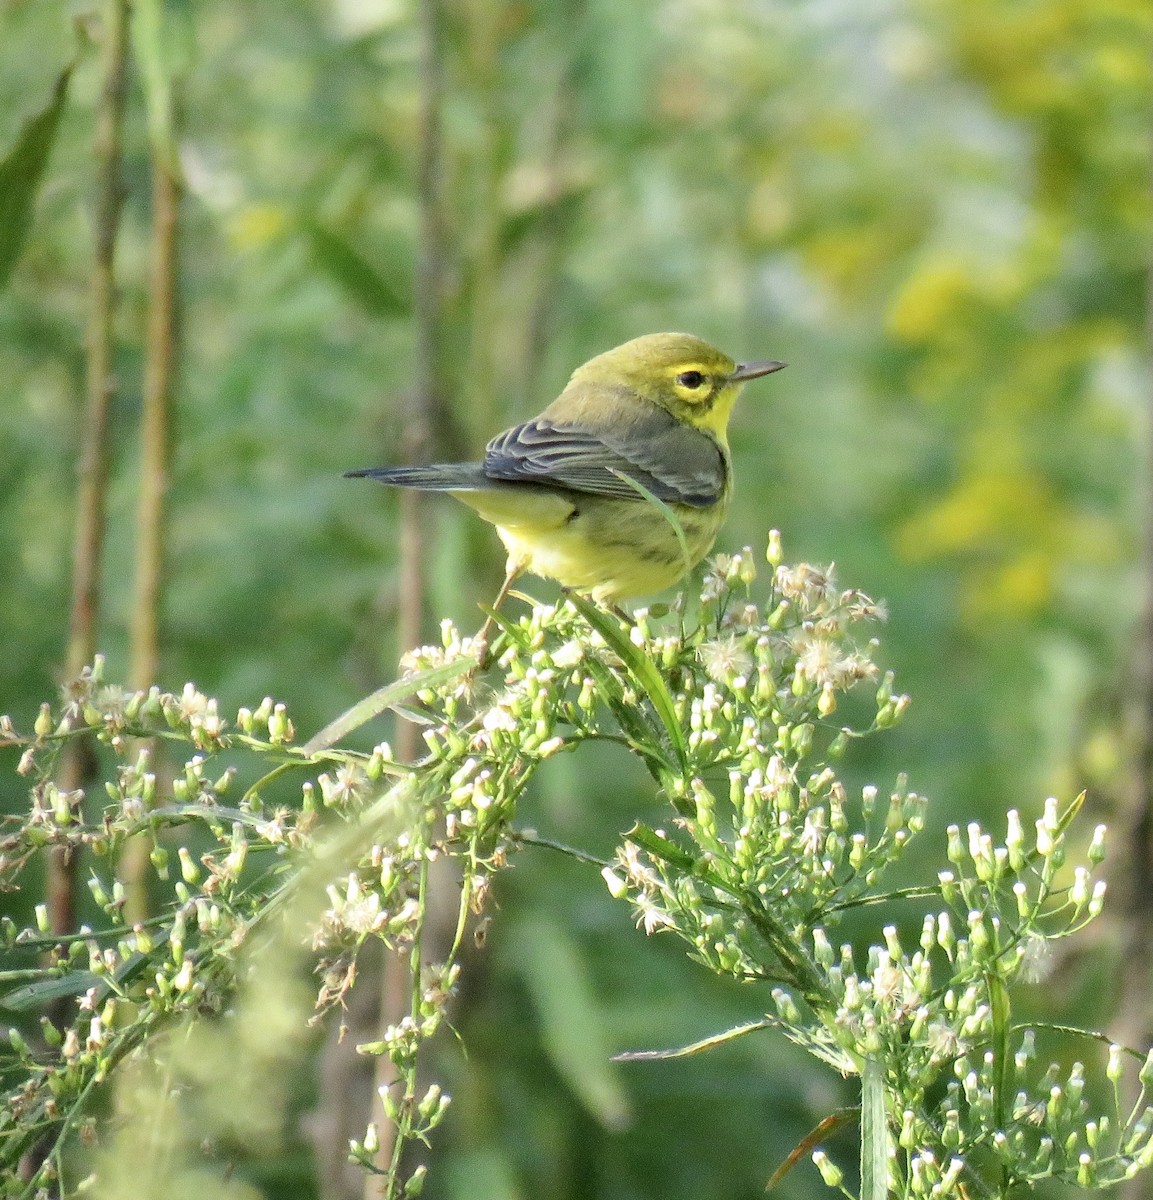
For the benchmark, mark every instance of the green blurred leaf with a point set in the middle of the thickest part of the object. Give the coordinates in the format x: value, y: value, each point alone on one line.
x: 572, y: 1024
x: 373, y: 705
x: 21, y: 172
x: 373, y: 290
x: 162, y: 37
x: 32, y: 995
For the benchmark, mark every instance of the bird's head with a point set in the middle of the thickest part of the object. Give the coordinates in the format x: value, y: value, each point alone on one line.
x: 696, y: 382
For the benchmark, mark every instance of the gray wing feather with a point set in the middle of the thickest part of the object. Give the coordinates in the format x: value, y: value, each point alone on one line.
x: 676, y: 463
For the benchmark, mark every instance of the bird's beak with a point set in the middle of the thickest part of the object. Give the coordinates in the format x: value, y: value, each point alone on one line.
x: 754, y: 370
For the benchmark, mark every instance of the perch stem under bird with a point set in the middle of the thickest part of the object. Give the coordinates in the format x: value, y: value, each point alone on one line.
x: 619, y: 487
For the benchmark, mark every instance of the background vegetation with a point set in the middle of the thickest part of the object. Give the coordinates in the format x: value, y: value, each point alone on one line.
x: 401, y: 228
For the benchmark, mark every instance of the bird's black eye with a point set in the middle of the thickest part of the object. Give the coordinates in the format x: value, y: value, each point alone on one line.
x: 690, y: 379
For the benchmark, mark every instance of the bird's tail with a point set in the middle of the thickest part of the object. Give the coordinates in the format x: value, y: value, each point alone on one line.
x: 437, y: 477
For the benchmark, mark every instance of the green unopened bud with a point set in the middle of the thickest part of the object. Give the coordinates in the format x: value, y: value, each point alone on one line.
x: 774, y: 553
x: 787, y: 1008
x: 618, y: 888
x: 44, y: 723
x: 831, y: 1174
x: 1015, y: 840
x: 189, y: 871
x: 822, y: 950
x: 432, y: 1102
x: 280, y: 728
x: 61, y: 805
x: 951, y: 1136
x: 158, y: 856
x: 946, y: 938
x: 1097, y: 846
x: 1086, y: 1172
x: 802, y: 739
x: 955, y: 851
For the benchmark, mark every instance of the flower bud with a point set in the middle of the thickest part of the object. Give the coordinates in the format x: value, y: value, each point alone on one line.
x: 831, y: 1174
x: 43, y: 725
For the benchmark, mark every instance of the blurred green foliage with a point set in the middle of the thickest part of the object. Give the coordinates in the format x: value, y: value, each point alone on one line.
x: 937, y: 211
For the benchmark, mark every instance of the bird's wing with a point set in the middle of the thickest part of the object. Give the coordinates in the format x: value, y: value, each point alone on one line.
x: 675, y: 462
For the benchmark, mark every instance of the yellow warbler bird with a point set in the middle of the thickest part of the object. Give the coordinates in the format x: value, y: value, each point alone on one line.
x: 573, y: 493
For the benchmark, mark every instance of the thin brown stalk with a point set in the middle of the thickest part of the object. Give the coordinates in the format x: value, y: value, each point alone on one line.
x: 425, y: 420
x: 77, y: 763
x: 160, y: 368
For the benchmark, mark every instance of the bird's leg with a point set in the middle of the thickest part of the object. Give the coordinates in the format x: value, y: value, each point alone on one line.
x: 511, y: 576
x: 621, y: 615
x: 608, y: 606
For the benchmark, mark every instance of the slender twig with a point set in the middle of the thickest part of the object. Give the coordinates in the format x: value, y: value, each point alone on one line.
x: 155, y: 451
x: 77, y: 765
x: 421, y: 433
x: 77, y: 762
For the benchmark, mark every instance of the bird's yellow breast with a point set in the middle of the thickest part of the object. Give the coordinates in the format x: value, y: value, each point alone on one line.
x: 613, y: 549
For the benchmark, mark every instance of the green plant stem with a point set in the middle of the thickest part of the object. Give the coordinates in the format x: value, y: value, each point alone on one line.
x: 874, y: 1136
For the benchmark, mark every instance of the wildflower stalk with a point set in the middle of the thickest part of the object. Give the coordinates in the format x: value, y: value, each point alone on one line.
x: 734, y: 709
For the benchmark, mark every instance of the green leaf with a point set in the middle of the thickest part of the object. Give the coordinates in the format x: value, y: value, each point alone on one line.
x: 21, y: 171
x: 642, y: 669
x: 572, y: 1025
x: 372, y: 706
x: 371, y: 289
x: 642, y: 736
x: 33, y: 995
x: 162, y: 37
x: 709, y: 1043
x: 661, y: 847
x: 664, y: 510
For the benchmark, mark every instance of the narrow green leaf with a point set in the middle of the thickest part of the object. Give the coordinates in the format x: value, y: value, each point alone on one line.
x: 661, y: 847
x: 367, y: 286
x: 709, y: 1043
x: 372, y: 706
x: 874, y: 1135
x: 33, y: 995
x: 642, y: 669
x: 572, y: 1025
x: 663, y: 509
x: 21, y: 172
